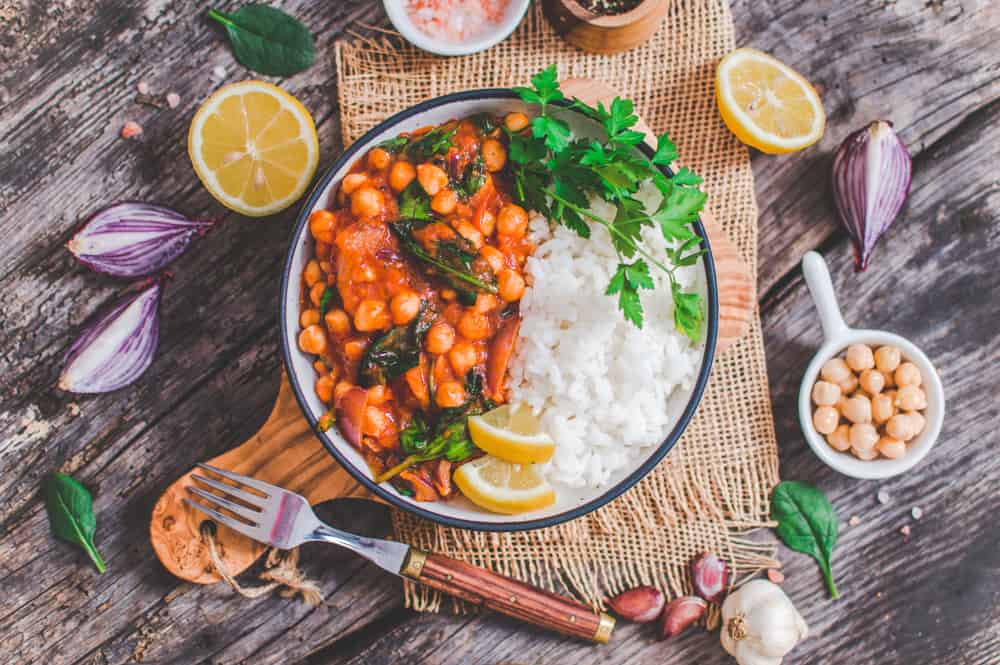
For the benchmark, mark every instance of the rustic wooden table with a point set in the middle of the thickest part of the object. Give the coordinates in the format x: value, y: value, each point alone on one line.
x: 67, y: 84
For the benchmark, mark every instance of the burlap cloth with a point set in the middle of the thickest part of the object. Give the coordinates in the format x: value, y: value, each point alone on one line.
x: 713, y: 487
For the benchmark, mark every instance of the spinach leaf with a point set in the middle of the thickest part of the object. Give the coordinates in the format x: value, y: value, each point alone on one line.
x: 413, y: 438
x: 452, y: 262
x: 396, y: 351
x: 325, y: 300
x: 473, y: 178
x: 267, y: 40
x: 71, y: 514
x: 484, y: 122
x: 806, y: 523
x: 394, y: 145
x: 414, y: 202
x: 434, y: 142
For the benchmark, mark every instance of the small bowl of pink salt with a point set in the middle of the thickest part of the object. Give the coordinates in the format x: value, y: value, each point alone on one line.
x: 455, y: 27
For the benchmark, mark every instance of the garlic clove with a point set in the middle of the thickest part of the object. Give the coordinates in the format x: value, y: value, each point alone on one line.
x: 710, y: 575
x: 641, y: 604
x: 681, y: 613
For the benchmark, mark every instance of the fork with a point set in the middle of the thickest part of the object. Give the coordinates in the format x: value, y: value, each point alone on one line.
x: 283, y: 519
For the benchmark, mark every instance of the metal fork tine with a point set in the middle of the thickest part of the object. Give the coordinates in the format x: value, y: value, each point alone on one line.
x: 248, y: 514
x: 258, y: 485
x: 238, y: 492
x: 251, y: 531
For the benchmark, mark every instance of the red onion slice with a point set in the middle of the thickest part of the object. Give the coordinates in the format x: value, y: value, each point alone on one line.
x: 117, y: 346
x: 134, y: 239
x: 871, y: 178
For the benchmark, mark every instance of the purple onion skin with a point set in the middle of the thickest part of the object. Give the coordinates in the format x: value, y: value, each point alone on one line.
x: 117, y: 346
x: 871, y: 179
x: 133, y: 239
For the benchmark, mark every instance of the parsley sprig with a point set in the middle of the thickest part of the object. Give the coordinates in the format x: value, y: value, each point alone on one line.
x: 556, y: 174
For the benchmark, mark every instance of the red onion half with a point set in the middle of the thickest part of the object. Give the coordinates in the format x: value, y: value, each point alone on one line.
x: 117, y: 346
x: 871, y: 178
x: 134, y: 239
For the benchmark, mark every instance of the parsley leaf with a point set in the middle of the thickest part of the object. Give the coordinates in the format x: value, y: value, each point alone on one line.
x: 395, y: 144
x: 687, y: 312
x: 666, y: 151
x: 555, y: 132
x: 414, y: 202
x: 434, y: 142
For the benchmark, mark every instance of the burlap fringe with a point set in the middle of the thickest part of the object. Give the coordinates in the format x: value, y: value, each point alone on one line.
x: 713, y: 488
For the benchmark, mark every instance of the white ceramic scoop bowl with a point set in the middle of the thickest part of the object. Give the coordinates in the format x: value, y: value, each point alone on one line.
x: 836, y: 338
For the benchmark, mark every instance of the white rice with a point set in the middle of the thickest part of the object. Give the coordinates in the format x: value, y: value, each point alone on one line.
x: 600, y: 384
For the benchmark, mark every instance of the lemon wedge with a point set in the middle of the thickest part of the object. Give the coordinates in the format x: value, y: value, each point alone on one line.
x: 254, y: 147
x: 502, y: 487
x: 766, y: 103
x: 513, y: 434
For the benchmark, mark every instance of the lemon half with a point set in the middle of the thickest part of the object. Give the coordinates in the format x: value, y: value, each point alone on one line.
x: 254, y: 147
x: 767, y: 104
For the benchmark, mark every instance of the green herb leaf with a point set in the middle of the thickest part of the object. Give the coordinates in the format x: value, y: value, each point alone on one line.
x: 389, y: 356
x: 555, y: 132
x: 451, y: 262
x: 394, y: 144
x: 688, y: 316
x: 434, y: 142
x: 414, y: 203
x: 626, y: 282
x: 413, y: 437
x: 267, y: 40
x: 326, y: 299
x: 807, y: 523
x: 666, y: 151
x: 473, y: 178
x: 71, y: 514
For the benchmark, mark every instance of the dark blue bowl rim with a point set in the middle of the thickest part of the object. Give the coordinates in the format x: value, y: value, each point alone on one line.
x: 395, y: 499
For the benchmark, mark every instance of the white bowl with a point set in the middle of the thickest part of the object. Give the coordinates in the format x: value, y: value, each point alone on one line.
x: 396, y: 9
x: 571, y: 502
x: 837, y: 337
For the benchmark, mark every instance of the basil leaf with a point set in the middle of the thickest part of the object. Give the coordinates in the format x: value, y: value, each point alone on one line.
x: 71, y: 514
x: 267, y: 40
x: 807, y: 523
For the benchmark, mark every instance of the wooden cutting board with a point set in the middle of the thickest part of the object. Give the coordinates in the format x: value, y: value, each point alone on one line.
x: 287, y: 452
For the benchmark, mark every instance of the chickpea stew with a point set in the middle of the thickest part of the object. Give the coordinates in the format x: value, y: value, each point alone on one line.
x: 410, y: 300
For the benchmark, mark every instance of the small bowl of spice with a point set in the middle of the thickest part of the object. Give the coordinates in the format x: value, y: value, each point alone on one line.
x: 455, y: 27
x: 605, y: 26
x: 871, y: 404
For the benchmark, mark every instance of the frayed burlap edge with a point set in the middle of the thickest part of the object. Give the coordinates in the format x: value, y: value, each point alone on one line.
x: 713, y: 488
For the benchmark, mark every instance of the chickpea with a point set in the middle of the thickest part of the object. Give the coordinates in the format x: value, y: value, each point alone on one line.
x: 515, y: 121
x: 462, y: 358
x: 405, y: 305
x: 316, y: 293
x: 918, y: 421
x: 882, y: 408
x: 486, y: 303
x: 487, y: 222
x: 401, y: 175
x: 375, y: 421
x: 326, y: 266
x: 860, y: 357
x: 444, y: 202
x: 512, y: 221
x: 890, y: 447
x: 850, y: 384
x: 432, y: 178
x: 863, y: 437
x: 866, y: 455
x: 825, y: 393
x: 473, y: 325
x: 312, y: 273
x: 341, y: 388
x: 902, y: 427
x: 510, y: 284
x: 379, y: 395
x: 321, y: 225
x: 907, y: 374
x: 841, y: 402
x: 313, y: 340
x: 379, y: 158
x: 366, y: 202
x: 440, y: 338
x: 324, y: 388
x: 320, y: 367
x: 351, y: 182
x: 872, y: 381
x: 887, y: 359
x: 839, y: 439
x: 450, y: 393
x: 372, y: 315
x: 825, y: 419
x: 337, y: 322
x: 309, y: 317
x: 910, y: 398
x: 494, y: 155
x: 835, y: 370
x: 493, y: 257
x: 858, y: 409
x: 890, y: 379
x: 470, y: 233
x: 354, y: 349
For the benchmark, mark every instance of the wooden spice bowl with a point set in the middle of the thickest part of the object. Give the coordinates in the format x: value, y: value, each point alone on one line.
x: 612, y: 33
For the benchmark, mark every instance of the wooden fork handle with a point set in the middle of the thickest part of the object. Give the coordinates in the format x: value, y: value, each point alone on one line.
x: 508, y: 596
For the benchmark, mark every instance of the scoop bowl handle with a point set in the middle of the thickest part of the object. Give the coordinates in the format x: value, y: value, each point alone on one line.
x: 821, y: 288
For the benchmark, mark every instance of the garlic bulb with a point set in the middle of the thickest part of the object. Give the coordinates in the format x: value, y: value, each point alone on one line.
x: 760, y: 624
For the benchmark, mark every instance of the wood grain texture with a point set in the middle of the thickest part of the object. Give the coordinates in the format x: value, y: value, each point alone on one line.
x: 67, y: 82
